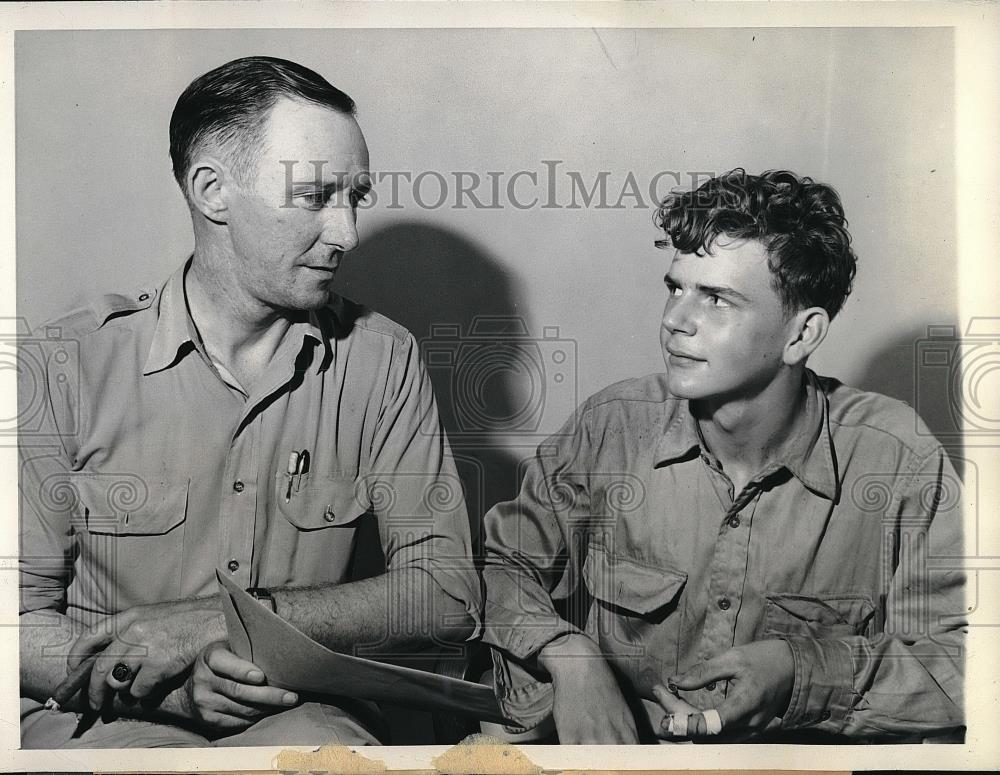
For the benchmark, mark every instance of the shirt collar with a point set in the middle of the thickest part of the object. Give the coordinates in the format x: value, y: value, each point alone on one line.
x: 175, y: 334
x: 681, y: 436
x: 807, y: 453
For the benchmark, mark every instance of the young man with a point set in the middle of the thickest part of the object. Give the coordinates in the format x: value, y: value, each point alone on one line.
x: 761, y: 553
x: 240, y: 417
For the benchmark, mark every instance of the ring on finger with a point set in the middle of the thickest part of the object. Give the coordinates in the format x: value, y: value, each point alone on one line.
x: 122, y: 673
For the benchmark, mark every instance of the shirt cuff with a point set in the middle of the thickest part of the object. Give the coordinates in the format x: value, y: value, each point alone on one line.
x: 823, y: 688
x: 460, y: 583
x: 523, y: 697
x: 522, y: 635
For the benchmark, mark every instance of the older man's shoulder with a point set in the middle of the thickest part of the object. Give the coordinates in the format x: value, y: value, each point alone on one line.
x: 106, y: 310
x: 351, y: 318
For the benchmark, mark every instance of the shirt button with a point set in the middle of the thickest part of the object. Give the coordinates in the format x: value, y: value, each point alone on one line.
x: 143, y: 296
x: 710, y: 686
x: 724, y: 603
x: 233, y: 566
x: 238, y: 485
x: 328, y: 515
x: 734, y: 522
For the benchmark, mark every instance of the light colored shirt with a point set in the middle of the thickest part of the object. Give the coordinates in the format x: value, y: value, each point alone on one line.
x: 143, y: 469
x: 848, y: 546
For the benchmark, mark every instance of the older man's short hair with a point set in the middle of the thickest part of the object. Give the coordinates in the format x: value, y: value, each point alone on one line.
x: 226, y: 109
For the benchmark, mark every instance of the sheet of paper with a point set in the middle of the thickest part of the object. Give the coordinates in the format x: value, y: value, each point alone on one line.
x: 292, y: 660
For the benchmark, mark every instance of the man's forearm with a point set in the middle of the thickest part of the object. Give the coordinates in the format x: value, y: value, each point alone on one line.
x: 399, y: 609
x: 46, y: 639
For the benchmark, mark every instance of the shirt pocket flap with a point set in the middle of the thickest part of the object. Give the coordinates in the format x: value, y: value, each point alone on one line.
x: 127, y: 504
x: 625, y: 583
x: 321, y: 501
x: 826, y: 616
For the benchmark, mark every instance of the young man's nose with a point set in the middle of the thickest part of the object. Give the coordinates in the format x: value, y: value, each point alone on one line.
x: 677, y: 316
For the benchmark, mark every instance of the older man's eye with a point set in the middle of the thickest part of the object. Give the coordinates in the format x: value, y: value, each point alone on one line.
x: 313, y: 199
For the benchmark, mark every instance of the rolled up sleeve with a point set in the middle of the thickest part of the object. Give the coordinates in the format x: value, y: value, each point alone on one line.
x: 415, y: 490
x: 47, y: 497
x: 533, y: 557
x: 908, y: 678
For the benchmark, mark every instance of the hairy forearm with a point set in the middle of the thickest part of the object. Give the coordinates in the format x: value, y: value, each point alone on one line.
x: 46, y: 640
x: 399, y: 609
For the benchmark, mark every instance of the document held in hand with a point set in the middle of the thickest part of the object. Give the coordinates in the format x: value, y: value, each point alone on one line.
x: 292, y: 660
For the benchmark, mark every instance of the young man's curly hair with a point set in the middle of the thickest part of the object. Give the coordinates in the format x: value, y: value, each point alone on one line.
x: 799, y: 222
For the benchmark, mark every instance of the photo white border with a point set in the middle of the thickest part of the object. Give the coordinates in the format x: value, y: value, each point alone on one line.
x: 977, y: 74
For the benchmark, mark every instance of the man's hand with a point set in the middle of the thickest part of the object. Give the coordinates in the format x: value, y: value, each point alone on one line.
x: 156, y: 643
x: 761, y: 676
x: 588, y: 707
x: 227, y: 694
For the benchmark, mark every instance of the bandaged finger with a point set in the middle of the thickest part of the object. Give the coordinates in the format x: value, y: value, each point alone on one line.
x: 678, y: 724
x: 713, y: 721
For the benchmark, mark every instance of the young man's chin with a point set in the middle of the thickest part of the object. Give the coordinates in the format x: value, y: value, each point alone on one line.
x: 684, y: 386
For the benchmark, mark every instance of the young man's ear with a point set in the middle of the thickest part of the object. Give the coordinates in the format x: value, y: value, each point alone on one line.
x: 205, y: 182
x: 808, y: 329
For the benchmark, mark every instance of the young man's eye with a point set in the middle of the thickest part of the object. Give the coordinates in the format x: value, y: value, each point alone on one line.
x: 672, y: 288
x: 718, y: 301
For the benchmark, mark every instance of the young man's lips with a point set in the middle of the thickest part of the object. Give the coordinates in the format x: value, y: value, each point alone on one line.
x: 682, y: 354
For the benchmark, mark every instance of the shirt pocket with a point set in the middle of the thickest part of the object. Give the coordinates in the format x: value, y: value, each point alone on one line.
x: 826, y: 616
x: 132, y: 547
x: 629, y: 585
x: 128, y: 505
x: 319, y: 501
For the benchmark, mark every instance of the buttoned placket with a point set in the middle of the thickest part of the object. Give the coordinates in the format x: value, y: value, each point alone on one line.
x: 238, y: 504
x: 728, y: 572
x: 244, y: 490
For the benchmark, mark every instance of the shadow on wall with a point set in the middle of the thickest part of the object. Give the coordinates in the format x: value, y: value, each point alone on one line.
x: 928, y: 368
x: 441, y: 285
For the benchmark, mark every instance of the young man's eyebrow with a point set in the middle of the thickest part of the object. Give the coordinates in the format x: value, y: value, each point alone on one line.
x: 721, y: 290
x: 711, y: 290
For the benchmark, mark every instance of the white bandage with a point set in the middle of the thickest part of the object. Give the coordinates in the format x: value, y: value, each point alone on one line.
x: 678, y: 724
x: 713, y: 721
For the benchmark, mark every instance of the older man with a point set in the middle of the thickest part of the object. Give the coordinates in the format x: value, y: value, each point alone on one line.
x: 241, y: 417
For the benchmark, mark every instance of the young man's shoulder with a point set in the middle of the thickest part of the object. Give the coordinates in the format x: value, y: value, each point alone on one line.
x: 633, y: 398
x: 877, y: 417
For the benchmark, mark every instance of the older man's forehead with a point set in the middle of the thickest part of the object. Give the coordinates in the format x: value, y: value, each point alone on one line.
x: 308, y: 132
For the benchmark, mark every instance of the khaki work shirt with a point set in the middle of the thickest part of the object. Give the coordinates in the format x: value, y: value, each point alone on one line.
x: 848, y: 547
x: 143, y: 469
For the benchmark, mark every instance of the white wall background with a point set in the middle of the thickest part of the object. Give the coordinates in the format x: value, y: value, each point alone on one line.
x: 868, y: 110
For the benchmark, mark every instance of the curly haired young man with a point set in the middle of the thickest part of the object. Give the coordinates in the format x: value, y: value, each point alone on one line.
x: 756, y: 552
